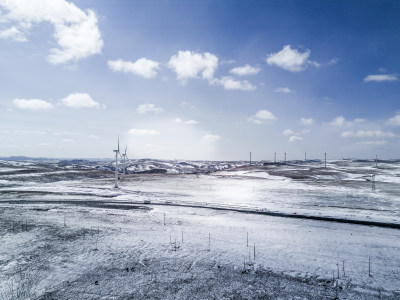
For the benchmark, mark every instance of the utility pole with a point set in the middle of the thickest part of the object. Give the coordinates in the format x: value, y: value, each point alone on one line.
x: 116, y: 168
x: 369, y: 265
x: 373, y: 181
x: 116, y: 165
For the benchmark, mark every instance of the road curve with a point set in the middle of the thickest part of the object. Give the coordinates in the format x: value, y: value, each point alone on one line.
x: 147, y: 204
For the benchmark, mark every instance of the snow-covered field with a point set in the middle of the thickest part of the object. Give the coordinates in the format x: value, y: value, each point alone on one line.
x: 196, y: 230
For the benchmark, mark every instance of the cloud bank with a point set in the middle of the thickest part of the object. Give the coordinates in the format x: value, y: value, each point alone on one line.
x: 75, y: 31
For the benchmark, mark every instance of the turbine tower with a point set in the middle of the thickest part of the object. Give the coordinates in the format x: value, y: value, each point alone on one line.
x: 125, y: 157
x: 116, y: 165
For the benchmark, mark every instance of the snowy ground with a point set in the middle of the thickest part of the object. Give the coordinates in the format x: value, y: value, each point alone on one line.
x: 108, y: 244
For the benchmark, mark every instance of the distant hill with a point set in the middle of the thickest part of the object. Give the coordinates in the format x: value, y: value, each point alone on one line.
x: 28, y: 158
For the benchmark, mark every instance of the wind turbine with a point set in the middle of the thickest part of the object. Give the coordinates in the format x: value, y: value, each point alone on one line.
x: 125, y: 157
x: 116, y: 165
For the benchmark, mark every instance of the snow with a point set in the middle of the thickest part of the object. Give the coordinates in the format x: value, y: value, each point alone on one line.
x: 108, y: 230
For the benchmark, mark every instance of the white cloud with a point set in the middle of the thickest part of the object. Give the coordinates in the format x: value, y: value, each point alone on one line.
x: 245, y: 70
x: 339, y: 121
x: 68, y: 133
x: 381, y: 77
x: 188, y: 64
x: 295, y: 138
x: 80, y: 100
x: 348, y: 134
x: 230, y: 83
x: 306, y: 121
x: 368, y: 133
x: 32, y: 104
x: 372, y: 143
x: 359, y: 120
x: 265, y: 115
x: 143, y: 132
x: 148, y: 107
x: 142, y: 67
x: 288, y: 132
x: 395, y: 121
x: 283, y: 90
x: 13, y: 33
x: 189, y: 122
x: 289, y: 59
x: 76, y: 41
x: 314, y: 63
x: 75, y: 30
x: 211, y: 137
x: 228, y: 62
x: 262, y: 116
x: 333, y: 61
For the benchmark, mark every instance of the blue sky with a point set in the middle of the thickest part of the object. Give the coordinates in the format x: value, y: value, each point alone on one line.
x: 200, y: 79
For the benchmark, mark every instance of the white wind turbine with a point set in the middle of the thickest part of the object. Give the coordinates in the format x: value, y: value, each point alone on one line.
x: 125, y: 158
x: 116, y: 165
